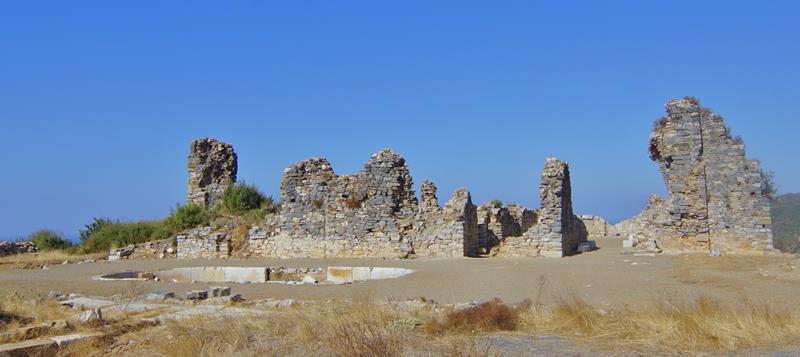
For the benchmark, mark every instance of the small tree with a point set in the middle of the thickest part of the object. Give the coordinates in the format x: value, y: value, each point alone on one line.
x: 49, y: 240
x: 496, y: 203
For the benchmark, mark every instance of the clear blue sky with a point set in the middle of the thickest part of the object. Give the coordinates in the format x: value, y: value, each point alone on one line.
x: 99, y: 100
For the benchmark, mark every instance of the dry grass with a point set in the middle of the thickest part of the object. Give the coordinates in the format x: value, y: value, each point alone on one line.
x: 339, y: 328
x: 698, y: 324
x: 21, y: 308
x: 40, y: 259
x: 489, y: 316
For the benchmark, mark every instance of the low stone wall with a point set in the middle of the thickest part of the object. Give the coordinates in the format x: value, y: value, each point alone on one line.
x: 596, y: 227
x: 204, y: 243
x: 160, y: 249
x: 11, y: 248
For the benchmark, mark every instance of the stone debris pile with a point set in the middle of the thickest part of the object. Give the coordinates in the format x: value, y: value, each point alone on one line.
x: 11, y: 248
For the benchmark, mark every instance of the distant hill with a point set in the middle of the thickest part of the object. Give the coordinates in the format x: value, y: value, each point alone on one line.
x: 786, y: 222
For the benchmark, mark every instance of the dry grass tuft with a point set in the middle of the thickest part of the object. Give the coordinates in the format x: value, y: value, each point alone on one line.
x: 489, y: 316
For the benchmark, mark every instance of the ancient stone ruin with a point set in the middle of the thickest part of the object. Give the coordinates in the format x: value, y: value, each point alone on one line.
x: 715, y: 201
x: 373, y: 213
x: 11, y: 248
x: 212, y: 169
x: 715, y: 204
x: 558, y: 231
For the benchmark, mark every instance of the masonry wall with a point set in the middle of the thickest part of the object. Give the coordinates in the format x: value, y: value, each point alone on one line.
x: 203, y: 243
x: 373, y: 213
x: 212, y: 169
x: 558, y: 231
x: 714, y: 192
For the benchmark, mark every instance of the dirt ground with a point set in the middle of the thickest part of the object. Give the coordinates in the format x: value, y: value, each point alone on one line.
x: 603, y: 278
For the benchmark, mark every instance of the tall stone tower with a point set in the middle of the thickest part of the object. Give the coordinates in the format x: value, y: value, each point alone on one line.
x: 212, y: 169
x: 715, y: 200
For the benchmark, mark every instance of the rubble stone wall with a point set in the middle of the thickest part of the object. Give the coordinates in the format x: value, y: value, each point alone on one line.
x: 715, y: 200
x: 212, y: 169
x: 596, y: 227
x: 203, y: 243
x: 373, y: 213
x: 11, y: 248
x: 495, y: 224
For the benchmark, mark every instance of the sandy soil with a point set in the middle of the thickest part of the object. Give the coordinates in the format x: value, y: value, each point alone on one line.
x: 604, y: 278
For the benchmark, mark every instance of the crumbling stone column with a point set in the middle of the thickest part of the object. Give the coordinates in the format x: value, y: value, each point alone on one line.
x: 429, y: 200
x: 465, y: 215
x: 558, y: 231
x: 212, y: 169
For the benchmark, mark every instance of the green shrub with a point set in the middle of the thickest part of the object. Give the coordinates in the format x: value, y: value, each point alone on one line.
x: 95, y: 226
x: 49, y: 240
x: 184, y: 217
x: 119, y: 235
x: 496, y: 203
x: 242, y: 197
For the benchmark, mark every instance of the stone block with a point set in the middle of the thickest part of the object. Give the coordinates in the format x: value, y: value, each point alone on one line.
x: 339, y: 275
x: 587, y: 246
x: 218, y: 291
x: 159, y: 296
x: 628, y: 243
x: 197, y: 295
x: 66, y: 340
x: 388, y: 273
x: 41, y: 347
x: 361, y: 273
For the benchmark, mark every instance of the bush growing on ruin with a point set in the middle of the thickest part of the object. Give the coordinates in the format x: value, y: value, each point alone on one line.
x: 242, y: 197
x: 496, y: 203
x: 49, y: 240
x: 768, y: 188
x: 184, y: 217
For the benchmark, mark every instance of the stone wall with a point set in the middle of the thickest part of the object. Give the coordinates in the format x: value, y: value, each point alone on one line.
x: 596, y: 227
x: 11, y: 248
x: 448, y: 232
x: 204, y: 243
x: 715, y: 202
x: 558, y: 231
x: 212, y: 169
x: 495, y: 224
x: 373, y: 213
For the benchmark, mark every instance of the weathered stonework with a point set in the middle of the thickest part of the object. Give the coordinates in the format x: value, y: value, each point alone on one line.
x: 429, y: 201
x: 204, y: 243
x: 596, y: 227
x: 715, y: 200
x: 212, y: 169
x: 373, y: 213
x: 11, y: 248
x: 449, y: 232
x: 558, y: 231
x: 495, y: 224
